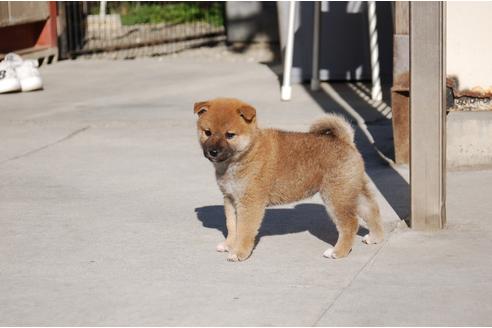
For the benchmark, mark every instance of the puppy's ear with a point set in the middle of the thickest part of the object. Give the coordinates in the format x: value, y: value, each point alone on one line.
x: 247, y: 112
x: 200, y: 107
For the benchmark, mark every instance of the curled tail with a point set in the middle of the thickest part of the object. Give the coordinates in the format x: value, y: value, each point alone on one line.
x: 334, y: 125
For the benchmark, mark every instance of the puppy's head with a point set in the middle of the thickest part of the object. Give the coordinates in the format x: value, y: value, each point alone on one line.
x: 226, y: 128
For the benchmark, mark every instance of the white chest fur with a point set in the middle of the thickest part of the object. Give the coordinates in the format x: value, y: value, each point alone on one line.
x: 229, y: 182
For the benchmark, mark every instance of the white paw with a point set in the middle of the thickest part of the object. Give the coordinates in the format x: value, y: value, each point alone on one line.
x: 222, y: 247
x: 369, y: 239
x: 232, y: 258
x: 330, y: 253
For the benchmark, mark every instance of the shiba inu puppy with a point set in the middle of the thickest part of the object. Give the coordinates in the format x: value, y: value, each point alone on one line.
x: 257, y: 167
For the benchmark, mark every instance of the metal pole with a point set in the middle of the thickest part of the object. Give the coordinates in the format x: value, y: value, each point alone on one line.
x: 286, y: 90
x: 428, y: 114
x: 376, y: 93
x: 316, y: 32
x: 102, y: 9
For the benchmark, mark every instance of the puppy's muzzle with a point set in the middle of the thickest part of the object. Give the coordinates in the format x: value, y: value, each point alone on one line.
x: 215, y: 154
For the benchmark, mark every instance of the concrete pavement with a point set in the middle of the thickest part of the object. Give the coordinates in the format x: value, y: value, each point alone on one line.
x: 109, y: 215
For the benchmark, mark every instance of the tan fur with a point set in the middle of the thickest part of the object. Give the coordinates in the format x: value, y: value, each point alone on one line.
x: 261, y: 167
x: 336, y: 125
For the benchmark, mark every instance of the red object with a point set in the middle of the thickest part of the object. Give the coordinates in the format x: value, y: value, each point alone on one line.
x: 48, y: 36
x: 42, y: 34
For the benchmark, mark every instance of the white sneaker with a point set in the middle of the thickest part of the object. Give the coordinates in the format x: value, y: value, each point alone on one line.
x: 27, y: 72
x: 8, y: 78
x: 29, y: 76
x: 13, y: 59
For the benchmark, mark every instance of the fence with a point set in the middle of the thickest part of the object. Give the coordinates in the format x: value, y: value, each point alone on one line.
x: 131, y: 29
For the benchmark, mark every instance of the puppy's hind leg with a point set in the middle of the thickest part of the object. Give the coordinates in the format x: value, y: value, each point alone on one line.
x: 368, y: 209
x: 230, y: 214
x: 342, y: 210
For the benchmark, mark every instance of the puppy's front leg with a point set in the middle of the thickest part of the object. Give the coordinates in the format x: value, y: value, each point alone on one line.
x: 230, y: 214
x: 249, y: 217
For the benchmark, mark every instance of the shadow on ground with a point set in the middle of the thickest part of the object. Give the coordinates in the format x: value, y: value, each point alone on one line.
x: 281, y: 221
x: 390, y: 183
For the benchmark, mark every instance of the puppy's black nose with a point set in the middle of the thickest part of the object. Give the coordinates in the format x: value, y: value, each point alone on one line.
x: 213, y: 152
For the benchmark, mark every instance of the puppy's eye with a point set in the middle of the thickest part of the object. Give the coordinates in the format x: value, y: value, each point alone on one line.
x: 207, y: 133
x: 230, y: 135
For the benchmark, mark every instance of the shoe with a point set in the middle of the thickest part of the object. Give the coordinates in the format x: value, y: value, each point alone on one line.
x: 28, y: 75
x: 13, y: 59
x: 27, y: 72
x: 8, y: 78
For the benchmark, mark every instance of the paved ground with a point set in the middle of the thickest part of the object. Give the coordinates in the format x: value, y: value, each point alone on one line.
x: 109, y: 215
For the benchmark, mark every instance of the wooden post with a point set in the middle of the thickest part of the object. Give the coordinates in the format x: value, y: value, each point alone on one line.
x: 400, y: 92
x: 427, y: 115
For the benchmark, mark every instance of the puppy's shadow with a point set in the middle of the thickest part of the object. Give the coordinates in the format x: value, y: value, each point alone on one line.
x: 281, y: 221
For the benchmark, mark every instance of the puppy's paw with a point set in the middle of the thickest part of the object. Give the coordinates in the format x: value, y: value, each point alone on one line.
x: 333, y: 253
x: 330, y: 253
x: 222, y: 247
x: 372, y: 239
x: 238, y: 256
x: 232, y: 257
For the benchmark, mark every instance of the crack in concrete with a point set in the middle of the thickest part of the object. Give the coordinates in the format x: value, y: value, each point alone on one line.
x: 370, y: 261
x: 67, y: 137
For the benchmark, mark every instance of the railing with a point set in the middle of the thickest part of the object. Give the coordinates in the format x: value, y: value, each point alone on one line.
x: 143, y: 28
